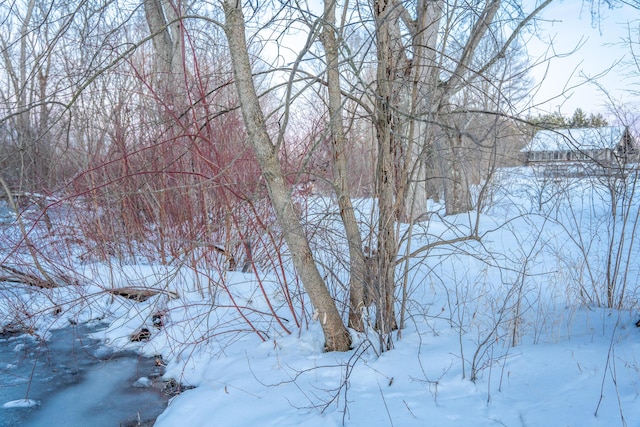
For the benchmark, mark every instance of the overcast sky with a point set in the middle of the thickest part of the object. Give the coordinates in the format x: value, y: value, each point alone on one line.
x: 601, y: 46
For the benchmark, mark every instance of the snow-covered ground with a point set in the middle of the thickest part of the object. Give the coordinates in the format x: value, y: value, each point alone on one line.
x: 510, y: 330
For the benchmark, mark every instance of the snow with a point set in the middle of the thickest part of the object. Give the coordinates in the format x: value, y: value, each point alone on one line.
x: 418, y: 383
x: 21, y: 403
x: 513, y: 329
x: 143, y: 382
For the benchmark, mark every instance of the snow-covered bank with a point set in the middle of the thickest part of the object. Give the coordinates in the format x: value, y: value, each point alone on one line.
x: 420, y: 382
x: 512, y: 329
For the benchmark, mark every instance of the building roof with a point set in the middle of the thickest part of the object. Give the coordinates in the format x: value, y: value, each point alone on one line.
x: 576, y: 139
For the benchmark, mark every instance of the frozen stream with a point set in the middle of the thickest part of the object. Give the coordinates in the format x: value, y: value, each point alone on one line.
x: 70, y: 381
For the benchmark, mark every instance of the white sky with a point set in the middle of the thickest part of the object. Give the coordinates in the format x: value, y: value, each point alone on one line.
x: 601, y: 46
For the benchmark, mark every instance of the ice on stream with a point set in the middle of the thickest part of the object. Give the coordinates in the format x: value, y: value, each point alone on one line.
x: 63, y: 383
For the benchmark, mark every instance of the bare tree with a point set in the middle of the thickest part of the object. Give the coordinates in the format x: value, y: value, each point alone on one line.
x: 424, y: 83
x: 425, y: 61
x: 31, y: 88
x: 339, y: 153
x: 336, y: 335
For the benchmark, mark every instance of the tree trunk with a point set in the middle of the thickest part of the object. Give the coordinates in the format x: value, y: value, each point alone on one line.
x: 423, y: 80
x: 336, y: 335
x: 390, y: 57
x: 165, y: 27
x: 338, y: 149
x: 24, y: 131
x: 458, y: 196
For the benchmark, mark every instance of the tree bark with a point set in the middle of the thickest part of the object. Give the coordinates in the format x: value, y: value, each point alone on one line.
x: 337, y: 337
x: 458, y: 195
x: 165, y: 27
x: 423, y: 80
x: 357, y: 268
x: 419, y: 114
x: 390, y: 55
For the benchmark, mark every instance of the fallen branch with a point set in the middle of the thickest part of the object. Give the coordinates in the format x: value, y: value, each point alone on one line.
x: 433, y: 245
x: 17, y: 276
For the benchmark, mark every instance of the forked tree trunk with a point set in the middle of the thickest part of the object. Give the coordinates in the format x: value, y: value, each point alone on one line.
x: 337, y: 337
x: 165, y: 27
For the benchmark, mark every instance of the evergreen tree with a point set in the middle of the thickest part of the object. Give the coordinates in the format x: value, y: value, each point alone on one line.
x: 579, y: 120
